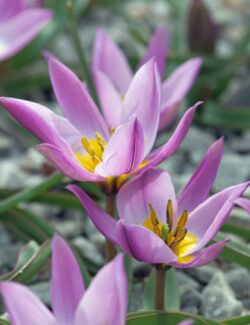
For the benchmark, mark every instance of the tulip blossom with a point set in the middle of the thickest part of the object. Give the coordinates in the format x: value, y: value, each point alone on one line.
x: 81, y: 144
x: 113, y: 76
x: 19, y: 24
x: 156, y: 227
x: 104, y: 302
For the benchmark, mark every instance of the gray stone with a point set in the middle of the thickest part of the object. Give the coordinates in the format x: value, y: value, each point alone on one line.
x: 6, y: 145
x: 189, y: 296
x: 9, y: 254
x: 136, y: 297
x: 218, y: 301
x: 32, y: 160
x: 69, y: 228
x: 11, y: 176
x: 190, y: 310
x: 42, y: 290
x: 99, y: 241
x: 88, y: 250
x: 203, y: 273
x: 239, y: 281
x: 242, y: 143
x: 184, y: 278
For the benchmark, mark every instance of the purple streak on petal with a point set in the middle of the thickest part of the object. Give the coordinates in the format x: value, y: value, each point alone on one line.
x: 19, y: 31
x: 204, y: 257
x: 244, y: 203
x: 110, y: 99
x: 158, y: 47
x: 108, y: 58
x: 142, y: 100
x: 23, y: 306
x: 105, y: 301
x: 66, y: 163
x: 124, y: 151
x: 76, y: 103
x: 143, y: 244
x: 198, y: 187
x: 175, y: 88
x: 154, y: 187
x: 162, y: 153
x: 206, y: 220
x: 9, y: 9
x: 42, y: 122
x: 67, y: 286
x: 103, y: 221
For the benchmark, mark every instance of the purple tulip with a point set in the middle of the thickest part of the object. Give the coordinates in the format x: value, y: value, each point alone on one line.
x: 19, y: 24
x: 156, y: 227
x: 104, y: 302
x: 113, y: 76
x: 82, y: 144
x: 186, y: 322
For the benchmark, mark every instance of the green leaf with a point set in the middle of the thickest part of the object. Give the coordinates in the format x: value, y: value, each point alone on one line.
x: 4, y: 322
x: 234, y: 252
x: 225, y: 117
x: 169, y: 318
x: 238, y: 320
x: 172, y: 298
x: 30, y: 193
x: 233, y: 228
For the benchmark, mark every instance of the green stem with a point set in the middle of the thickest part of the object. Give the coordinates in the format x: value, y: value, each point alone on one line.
x: 80, y: 53
x: 110, y: 209
x: 160, y: 287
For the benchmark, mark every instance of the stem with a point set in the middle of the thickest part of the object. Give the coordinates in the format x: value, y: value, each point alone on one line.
x: 110, y: 209
x: 160, y: 287
x: 80, y: 53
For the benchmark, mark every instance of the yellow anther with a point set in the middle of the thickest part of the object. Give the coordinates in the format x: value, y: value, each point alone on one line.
x: 112, y: 131
x: 95, y: 159
x: 153, y: 216
x: 181, y: 223
x: 100, y: 141
x: 87, y: 146
x: 179, y: 237
x: 170, y: 214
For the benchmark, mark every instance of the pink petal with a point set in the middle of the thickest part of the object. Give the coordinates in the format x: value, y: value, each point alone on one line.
x: 175, y: 88
x: 198, y: 187
x: 76, y: 104
x: 23, y: 306
x: 9, y: 9
x: 143, y: 244
x: 105, y: 301
x: 42, y: 122
x: 110, y: 99
x: 244, y: 203
x: 124, y: 151
x: 154, y: 187
x: 103, y: 221
x: 67, y: 286
x: 204, y: 257
x: 66, y: 163
x: 162, y: 153
x: 206, y: 220
x: 158, y: 47
x: 142, y: 100
x: 21, y: 29
x: 108, y: 58
x: 186, y: 322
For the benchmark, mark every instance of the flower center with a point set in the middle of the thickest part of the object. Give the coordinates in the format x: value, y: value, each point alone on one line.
x: 178, y: 239
x: 94, y: 149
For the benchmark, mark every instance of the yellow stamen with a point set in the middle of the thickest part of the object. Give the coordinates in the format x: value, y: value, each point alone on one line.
x: 170, y: 214
x: 181, y: 223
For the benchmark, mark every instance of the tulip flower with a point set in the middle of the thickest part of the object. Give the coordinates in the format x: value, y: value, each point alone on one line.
x: 104, y: 302
x: 81, y: 144
x: 158, y: 228
x: 19, y: 24
x: 186, y: 322
x: 113, y: 76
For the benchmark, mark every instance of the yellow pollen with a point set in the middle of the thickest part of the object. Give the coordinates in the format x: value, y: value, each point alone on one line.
x: 178, y: 239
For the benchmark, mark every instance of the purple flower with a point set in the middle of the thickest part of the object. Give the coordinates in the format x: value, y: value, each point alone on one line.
x: 186, y: 322
x: 82, y: 145
x: 113, y: 76
x: 104, y: 302
x: 19, y: 24
x: 156, y: 227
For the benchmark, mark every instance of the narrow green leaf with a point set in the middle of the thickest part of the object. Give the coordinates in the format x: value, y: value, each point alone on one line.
x: 238, y: 320
x: 30, y: 193
x: 4, y: 322
x: 172, y: 298
x: 234, y: 252
x: 233, y: 228
x: 169, y: 318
